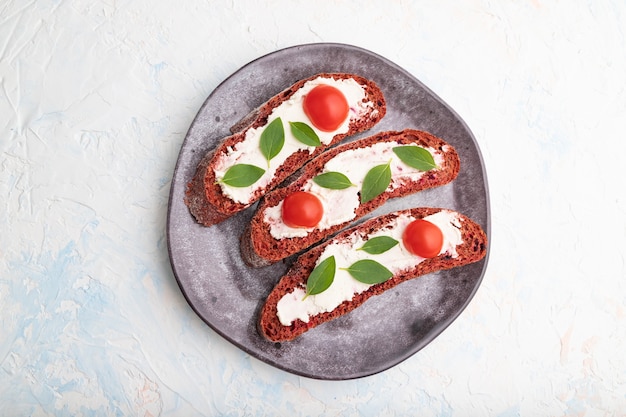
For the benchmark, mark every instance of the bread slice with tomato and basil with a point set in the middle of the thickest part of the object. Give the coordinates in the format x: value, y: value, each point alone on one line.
x: 280, y: 136
x: 336, y: 277
x: 342, y: 185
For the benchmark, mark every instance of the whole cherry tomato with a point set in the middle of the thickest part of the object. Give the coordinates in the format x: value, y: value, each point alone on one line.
x: 423, y: 238
x: 302, y: 209
x: 326, y: 107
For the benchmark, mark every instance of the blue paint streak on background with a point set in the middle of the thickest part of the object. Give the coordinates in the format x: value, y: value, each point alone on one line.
x: 39, y: 344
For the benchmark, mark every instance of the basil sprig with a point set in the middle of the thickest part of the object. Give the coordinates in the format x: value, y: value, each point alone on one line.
x: 415, y: 157
x: 304, y: 133
x: 375, y: 182
x: 369, y: 271
x: 378, y: 245
x: 333, y: 180
x: 321, y: 277
x: 242, y: 175
x: 272, y: 139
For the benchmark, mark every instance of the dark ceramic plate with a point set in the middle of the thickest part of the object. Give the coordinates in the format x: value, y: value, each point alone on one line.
x: 227, y: 295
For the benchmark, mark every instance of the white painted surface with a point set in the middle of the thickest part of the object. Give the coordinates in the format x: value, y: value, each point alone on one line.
x: 95, y: 99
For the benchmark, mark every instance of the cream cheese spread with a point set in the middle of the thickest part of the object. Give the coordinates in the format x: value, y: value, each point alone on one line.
x: 249, y: 152
x: 294, y: 306
x: 340, y: 205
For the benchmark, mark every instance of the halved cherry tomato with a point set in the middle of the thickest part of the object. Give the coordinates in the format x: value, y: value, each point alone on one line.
x: 423, y: 238
x: 326, y: 107
x: 302, y: 209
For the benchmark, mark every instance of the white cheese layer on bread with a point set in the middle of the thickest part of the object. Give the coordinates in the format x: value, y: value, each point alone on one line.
x: 249, y: 152
x: 294, y: 305
x: 340, y: 205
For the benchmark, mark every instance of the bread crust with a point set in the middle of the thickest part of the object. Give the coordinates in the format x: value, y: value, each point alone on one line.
x: 204, y: 196
x: 473, y: 249
x: 259, y: 248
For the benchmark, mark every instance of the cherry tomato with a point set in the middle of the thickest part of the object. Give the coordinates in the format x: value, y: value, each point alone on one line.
x: 302, y: 209
x: 326, y: 107
x: 423, y: 238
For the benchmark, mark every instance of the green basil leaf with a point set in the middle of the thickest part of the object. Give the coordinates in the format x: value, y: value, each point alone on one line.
x: 304, y: 133
x: 369, y: 271
x: 333, y: 180
x: 378, y: 245
x: 321, y: 277
x: 272, y: 139
x: 242, y: 175
x: 375, y: 182
x: 416, y: 157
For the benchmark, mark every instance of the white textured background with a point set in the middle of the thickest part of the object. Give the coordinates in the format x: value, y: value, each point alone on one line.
x: 95, y: 100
